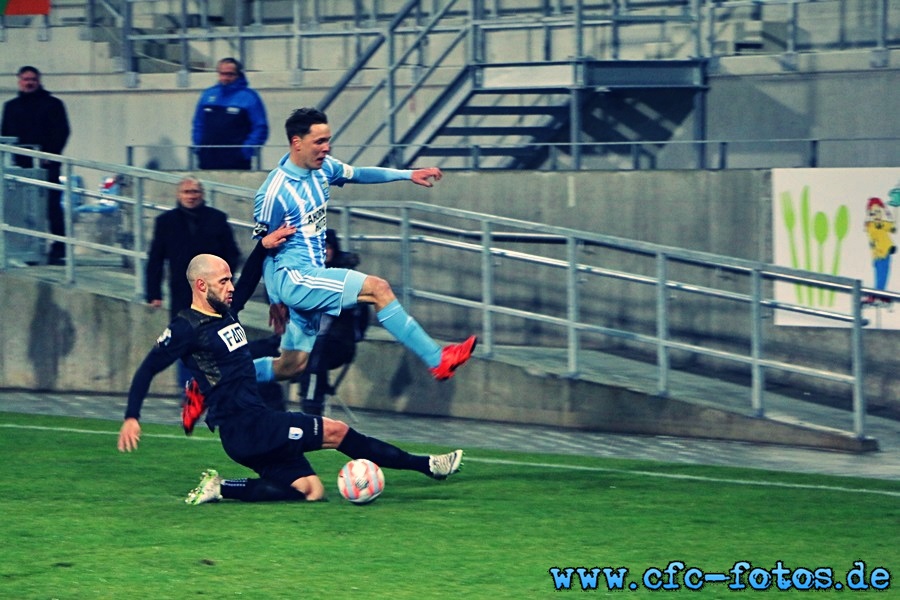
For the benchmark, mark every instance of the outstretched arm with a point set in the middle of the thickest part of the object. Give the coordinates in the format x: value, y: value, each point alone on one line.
x: 130, y: 432
x: 421, y: 177
x: 171, y: 345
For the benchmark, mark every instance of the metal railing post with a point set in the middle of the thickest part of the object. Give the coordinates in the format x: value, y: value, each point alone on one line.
x: 662, y: 325
x: 574, y: 309
x: 68, y: 222
x: 616, y: 39
x: 711, y: 35
x: 128, y: 53
x: 487, y: 289
x: 297, y: 76
x: 405, y: 256
x: 90, y: 18
x: 575, y: 125
x: 579, y: 29
x: 3, y: 159
x: 140, y: 267
x: 476, y: 35
x: 757, y: 377
x: 391, y: 96
x: 880, y: 56
x: 858, y: 357
x: 345, y: 230
x: 182, y: 77
x: 697, y: 28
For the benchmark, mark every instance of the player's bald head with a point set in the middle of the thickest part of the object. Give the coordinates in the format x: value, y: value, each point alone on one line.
x: 203, y: 266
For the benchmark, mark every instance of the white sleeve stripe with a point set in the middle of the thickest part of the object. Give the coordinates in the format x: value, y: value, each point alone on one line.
x: 270, y: 197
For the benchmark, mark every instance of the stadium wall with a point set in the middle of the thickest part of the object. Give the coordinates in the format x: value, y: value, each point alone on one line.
x: 97, y: 342
x: 78, y: 340
x: 825, y: 95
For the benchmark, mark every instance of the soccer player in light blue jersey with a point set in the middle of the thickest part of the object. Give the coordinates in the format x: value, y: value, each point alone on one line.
x: 296, y: 193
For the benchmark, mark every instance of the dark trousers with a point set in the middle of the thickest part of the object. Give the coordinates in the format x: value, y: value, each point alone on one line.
x: 315, y: 387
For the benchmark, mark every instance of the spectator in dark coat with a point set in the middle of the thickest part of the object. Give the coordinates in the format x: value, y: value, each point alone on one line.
x: 179, y: 235
x: 38, y: 118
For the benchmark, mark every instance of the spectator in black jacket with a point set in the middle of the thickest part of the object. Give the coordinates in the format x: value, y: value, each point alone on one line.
x: 179, y: 235
x: 38, y: 118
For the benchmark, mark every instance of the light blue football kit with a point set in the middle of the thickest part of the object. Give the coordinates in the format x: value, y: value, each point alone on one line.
x: 296, y: 274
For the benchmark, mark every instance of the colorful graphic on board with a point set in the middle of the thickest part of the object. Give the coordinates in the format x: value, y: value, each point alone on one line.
x: 840, y: 222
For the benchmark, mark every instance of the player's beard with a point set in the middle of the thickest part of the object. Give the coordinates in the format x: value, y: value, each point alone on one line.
x: 218, y: 305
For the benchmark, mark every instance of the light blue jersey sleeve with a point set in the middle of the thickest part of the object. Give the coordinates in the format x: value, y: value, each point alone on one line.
x: 378, y: 175
x: 268, y: 209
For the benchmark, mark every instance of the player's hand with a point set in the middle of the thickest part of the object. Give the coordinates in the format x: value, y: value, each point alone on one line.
x: 129, y: 435
x: 277, y: 237
x: 155, y: 303
x: 278, y: 318
x: 425, y: 176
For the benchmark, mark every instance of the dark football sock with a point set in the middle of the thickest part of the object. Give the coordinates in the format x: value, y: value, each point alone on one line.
x: 386, y: 456
x: 259, y: 490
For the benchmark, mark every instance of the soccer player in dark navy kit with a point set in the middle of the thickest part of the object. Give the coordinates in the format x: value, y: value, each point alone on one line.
x: 213, y: 345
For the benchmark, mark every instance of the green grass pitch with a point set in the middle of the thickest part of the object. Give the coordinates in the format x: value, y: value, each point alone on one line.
x: 81, y: 520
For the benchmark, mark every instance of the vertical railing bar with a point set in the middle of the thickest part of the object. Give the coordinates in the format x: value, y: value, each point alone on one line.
x: 140, y: 266
x: 3, y: 159
x: 662, y: 325
x: 68, y: 221
x: 858, y: 357
x: 487, y: 289
x: 757, y: 378
x: 405, y: 257
x: 574, y: 308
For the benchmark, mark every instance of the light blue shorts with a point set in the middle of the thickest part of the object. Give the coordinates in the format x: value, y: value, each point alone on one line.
x: 309, y: 294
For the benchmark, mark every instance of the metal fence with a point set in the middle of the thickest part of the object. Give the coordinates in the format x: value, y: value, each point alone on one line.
x: 688, y: 28
x: 470, y: 264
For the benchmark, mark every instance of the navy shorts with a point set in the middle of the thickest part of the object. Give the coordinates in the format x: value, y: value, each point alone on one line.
x: 273, y: 443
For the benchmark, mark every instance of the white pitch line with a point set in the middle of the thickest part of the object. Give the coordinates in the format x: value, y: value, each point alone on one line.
x: 164, y: 436
x: 779, y: 484
x: 501, y: 461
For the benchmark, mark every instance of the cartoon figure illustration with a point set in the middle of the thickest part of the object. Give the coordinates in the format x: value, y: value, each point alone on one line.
x: 879, y: 226
x: 894, y: 195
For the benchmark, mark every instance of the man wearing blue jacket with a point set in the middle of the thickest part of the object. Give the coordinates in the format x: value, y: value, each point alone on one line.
x: 229, y: 114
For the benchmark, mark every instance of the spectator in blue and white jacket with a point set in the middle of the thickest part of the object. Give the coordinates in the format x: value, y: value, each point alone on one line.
x: 229, y: 114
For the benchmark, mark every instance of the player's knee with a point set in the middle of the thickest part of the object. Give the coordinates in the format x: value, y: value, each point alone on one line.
x: 333, y: 432
x: 380, y: 290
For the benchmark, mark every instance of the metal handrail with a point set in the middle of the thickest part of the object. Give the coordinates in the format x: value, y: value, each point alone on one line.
x: 486, y: 227
x: 724, y: 150
x: 420, y: 225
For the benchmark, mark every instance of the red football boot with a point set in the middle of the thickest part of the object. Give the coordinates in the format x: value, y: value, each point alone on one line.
x: 192, y: 406
x: 453, y: 357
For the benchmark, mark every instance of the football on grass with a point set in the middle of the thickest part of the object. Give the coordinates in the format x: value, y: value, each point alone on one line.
x: 360, y: 481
